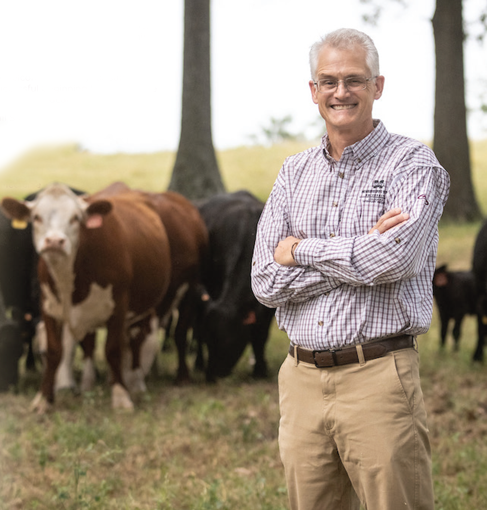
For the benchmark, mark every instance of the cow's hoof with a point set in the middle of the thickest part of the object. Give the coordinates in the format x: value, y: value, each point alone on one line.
x: 121, y: 398
x: 40, y: 405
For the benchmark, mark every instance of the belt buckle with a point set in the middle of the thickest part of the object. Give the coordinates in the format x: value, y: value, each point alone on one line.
x: 333, y: 357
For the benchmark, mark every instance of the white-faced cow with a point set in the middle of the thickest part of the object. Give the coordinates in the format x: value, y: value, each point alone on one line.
x: 104, y: 261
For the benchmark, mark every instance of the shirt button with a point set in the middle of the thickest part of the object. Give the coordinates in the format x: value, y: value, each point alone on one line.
x: 341, y: 175
x: 335, y: 204
x: 332, y: 235
x: 320, y: 323
x: 253, y: 263
x: 398, y: 240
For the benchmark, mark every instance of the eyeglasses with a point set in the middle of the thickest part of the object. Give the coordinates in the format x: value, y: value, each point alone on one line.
x: 352, y: 84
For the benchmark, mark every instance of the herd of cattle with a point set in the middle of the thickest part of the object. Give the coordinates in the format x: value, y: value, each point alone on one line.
x: 126, y: 260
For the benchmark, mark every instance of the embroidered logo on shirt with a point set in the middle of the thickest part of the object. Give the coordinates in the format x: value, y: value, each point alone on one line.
x: 424, y: 198
x: 377, y: 193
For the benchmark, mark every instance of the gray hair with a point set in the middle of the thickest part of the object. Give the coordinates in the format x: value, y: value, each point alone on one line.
x: 345, y: 38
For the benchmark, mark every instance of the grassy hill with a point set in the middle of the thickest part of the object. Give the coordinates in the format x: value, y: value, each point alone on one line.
x: 207, y: 447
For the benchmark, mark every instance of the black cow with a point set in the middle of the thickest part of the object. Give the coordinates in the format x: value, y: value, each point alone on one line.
x: 455, y: 297
x: 232, y: 317
x: 479, y: 268
x: 20, y: 292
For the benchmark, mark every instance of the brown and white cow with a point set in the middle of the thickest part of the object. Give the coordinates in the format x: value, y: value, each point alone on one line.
x: 104, y: 261
x: 188, y: 241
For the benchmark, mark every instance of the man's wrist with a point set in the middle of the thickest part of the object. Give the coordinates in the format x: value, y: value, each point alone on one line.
x: 293, y: 247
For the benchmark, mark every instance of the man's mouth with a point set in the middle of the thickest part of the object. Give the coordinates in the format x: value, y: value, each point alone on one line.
x: 343, y: 106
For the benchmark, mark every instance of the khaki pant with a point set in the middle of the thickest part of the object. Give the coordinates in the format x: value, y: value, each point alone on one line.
x: 355, y: 434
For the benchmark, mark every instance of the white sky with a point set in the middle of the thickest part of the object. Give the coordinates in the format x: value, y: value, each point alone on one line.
x: 108, y: 73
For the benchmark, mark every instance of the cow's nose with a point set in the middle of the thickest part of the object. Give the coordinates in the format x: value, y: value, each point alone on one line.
x: 55, y: 242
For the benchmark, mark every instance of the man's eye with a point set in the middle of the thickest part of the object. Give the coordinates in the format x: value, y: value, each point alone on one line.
x: 327, y: 83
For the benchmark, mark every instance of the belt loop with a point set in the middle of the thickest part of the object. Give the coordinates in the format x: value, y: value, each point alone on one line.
x: 360, y: 354
x: 296, y: 361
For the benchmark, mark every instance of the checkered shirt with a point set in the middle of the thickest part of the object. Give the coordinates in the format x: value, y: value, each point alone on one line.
x: 350, y: 287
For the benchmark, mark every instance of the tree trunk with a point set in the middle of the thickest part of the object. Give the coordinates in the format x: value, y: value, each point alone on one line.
x: 450, y: 141
x: 195, y: 173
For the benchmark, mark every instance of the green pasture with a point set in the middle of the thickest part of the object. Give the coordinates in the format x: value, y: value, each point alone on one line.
x: 209, y: 447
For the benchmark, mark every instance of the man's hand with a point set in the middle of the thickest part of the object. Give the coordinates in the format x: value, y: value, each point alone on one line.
x: 283, y: 254
x: 390, y: 219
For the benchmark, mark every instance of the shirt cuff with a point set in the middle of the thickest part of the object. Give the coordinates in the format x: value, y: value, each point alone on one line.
x: 307, y: 250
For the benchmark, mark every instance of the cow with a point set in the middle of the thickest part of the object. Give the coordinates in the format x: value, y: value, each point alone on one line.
x: 188, y: 241
x: 104, y: 261
x: 232, y: 317
x: 19, y: 288
x: 455, y: 296
x: 18, y: 283
x: 479, y: 268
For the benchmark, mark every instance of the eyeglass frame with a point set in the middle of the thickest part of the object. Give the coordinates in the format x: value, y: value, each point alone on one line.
x: 344, y: 81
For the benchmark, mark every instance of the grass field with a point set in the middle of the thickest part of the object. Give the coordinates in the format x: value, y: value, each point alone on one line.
x: 208, y: 447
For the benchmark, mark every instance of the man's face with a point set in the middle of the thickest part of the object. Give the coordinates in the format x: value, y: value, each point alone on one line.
x: 345, y: 112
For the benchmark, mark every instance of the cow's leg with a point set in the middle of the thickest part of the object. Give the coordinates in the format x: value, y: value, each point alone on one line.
x: 259, y: 340
x: 479, y: 351
x: 443, y: 330
x: 180, y: 336
x: 457, y: 329
x: 150, y: 346
x: 115, y: 344
x: 144, y: 346
x: 88, y: 376
x: 64, y: 373
x: 29, y: 332
x: 45, y: 397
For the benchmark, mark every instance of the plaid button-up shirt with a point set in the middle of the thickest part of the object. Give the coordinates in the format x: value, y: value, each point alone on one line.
x: 350, y: 287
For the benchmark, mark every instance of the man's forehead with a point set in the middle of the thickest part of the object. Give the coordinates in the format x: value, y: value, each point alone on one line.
x: 347, y: 61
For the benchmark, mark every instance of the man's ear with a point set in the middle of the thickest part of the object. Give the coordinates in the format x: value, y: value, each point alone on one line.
x: 379, y: 86
x: 314, y: 91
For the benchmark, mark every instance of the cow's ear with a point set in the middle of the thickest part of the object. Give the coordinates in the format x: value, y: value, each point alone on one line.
x: 16, y: 209
x: 440, y: 279
x: 95, y: 213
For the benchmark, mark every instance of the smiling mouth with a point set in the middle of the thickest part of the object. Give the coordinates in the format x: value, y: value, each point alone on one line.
x: 343, y: 106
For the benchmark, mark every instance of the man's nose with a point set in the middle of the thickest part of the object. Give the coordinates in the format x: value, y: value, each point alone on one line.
x: 341, y: 88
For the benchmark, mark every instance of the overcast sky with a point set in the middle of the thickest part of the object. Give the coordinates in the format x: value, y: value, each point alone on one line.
x: 107, y: 74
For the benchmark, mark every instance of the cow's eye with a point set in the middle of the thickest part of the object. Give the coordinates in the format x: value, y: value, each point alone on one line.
x: 37, y: 219
x: 75, y: 219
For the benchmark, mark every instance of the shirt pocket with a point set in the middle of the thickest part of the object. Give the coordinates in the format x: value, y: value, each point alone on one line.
x: 365, y: 215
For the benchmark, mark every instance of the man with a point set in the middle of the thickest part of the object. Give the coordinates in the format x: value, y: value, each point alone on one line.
x: 346, y: 250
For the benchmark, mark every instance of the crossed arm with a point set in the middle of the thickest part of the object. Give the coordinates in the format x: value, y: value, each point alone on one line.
x: 284, y: 253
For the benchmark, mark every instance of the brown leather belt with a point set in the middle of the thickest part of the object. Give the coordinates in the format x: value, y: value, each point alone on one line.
x: 335, y: 357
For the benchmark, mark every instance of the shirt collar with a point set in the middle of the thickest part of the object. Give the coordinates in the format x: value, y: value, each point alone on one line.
x: 365, y: 148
